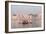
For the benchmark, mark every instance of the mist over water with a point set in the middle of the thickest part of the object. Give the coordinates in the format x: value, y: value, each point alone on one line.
x: 26, y: 21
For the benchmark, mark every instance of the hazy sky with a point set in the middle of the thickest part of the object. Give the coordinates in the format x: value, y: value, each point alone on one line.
x: 24, y: 9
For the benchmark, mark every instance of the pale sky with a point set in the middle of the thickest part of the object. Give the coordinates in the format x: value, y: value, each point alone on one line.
x: 24, y: 9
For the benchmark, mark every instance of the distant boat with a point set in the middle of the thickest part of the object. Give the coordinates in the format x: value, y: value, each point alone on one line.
x: 25, y: 22
x: 29, y: 14
x: 32, y: 14
x: 14, y: 15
